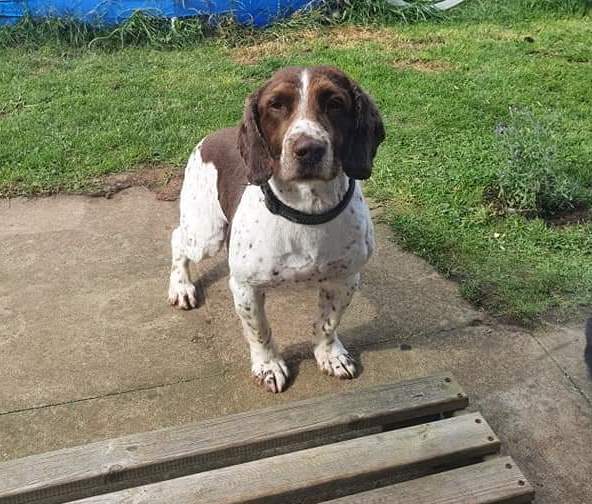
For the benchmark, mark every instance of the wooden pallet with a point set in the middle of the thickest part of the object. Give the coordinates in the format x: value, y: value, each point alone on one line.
x: 399, y: 443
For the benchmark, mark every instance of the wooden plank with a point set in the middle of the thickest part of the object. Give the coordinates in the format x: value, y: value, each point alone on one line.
x: 317, y: 473
x: 498, y: 480
x: 138, y: 459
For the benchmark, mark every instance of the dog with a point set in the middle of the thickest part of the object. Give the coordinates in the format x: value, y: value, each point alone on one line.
x: 281, y: 191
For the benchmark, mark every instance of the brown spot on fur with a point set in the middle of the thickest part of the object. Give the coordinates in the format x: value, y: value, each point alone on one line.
x: 221, y: 149
x: 274, y: 107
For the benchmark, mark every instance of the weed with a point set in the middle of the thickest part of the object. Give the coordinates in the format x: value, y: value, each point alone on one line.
x: 141, y: 29
x: 530, y: 178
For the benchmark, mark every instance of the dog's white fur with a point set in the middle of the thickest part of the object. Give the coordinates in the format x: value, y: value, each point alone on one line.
x: 266, y: 250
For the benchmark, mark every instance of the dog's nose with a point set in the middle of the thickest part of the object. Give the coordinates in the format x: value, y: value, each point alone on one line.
x: 309, y: 150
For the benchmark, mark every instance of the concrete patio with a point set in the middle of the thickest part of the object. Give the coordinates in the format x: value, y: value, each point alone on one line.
x: 89, y: 348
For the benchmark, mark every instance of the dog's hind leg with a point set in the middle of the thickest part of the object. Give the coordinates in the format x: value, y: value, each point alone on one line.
x: 201, y: 232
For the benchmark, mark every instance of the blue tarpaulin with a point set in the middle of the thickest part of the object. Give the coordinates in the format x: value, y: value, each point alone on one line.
x: 112, y: 12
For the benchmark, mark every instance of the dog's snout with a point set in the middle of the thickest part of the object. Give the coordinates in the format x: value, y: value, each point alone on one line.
x: 309, y: 150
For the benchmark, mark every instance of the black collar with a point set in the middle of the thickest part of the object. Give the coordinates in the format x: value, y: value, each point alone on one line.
x: 275, y: 206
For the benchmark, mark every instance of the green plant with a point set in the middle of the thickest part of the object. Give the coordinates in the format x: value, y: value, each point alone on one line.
x: 30, y: 32
x: 141, y: 29
x: 530, y: 178
x: 145, y: 29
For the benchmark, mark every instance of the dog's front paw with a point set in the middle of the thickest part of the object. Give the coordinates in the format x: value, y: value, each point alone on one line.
x: 335, y: 360
x: 183, y: 295
x: 271, y: 375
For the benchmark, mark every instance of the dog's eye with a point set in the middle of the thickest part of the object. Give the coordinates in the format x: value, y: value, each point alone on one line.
x: 276, y: 104
x: 335, y: 104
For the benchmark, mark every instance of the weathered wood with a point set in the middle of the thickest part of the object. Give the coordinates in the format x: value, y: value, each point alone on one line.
x: 498, y: 480
x: 314, y: 474
x: 138, y: 459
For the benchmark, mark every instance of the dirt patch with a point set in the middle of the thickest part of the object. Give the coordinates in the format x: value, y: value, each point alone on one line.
x: 572, y: 58
x: 496, y: 33
x: 251, y: 55
x: 352, y: 36
x: 12, y: 107
x: 425, y: 66
x: 164, y: 180
x: 344, y: 37
x: 577, y: 216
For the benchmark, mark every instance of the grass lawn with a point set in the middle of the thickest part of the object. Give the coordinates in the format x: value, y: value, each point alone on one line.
x: 463, y: 99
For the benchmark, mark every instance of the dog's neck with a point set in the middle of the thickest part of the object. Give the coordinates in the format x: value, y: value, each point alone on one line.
x: 314, y: 196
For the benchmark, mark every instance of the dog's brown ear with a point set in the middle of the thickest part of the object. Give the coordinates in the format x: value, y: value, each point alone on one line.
x: 365, y: 137
x: 251, y: 144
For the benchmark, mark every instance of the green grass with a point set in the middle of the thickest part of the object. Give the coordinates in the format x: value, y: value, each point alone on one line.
x: 69, y: 114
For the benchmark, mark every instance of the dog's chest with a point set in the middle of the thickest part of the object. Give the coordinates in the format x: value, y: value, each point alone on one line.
x: 267, y: 249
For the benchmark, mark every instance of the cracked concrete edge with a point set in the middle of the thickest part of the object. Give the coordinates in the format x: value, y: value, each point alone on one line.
x: 565, y: 346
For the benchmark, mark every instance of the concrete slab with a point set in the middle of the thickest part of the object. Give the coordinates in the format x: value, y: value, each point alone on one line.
x: 566, y: 345
x: 89, y: 348
x: 83, y: 295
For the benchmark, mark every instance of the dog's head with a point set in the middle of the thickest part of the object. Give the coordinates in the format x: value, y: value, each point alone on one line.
x: 309, y: 124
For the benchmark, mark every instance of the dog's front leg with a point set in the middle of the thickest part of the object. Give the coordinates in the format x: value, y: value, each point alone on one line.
x: 268, y: 368
x: 334, y: 298
x: 182, y: 292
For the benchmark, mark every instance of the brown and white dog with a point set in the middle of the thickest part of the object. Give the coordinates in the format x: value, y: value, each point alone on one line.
x: 280, y: 189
